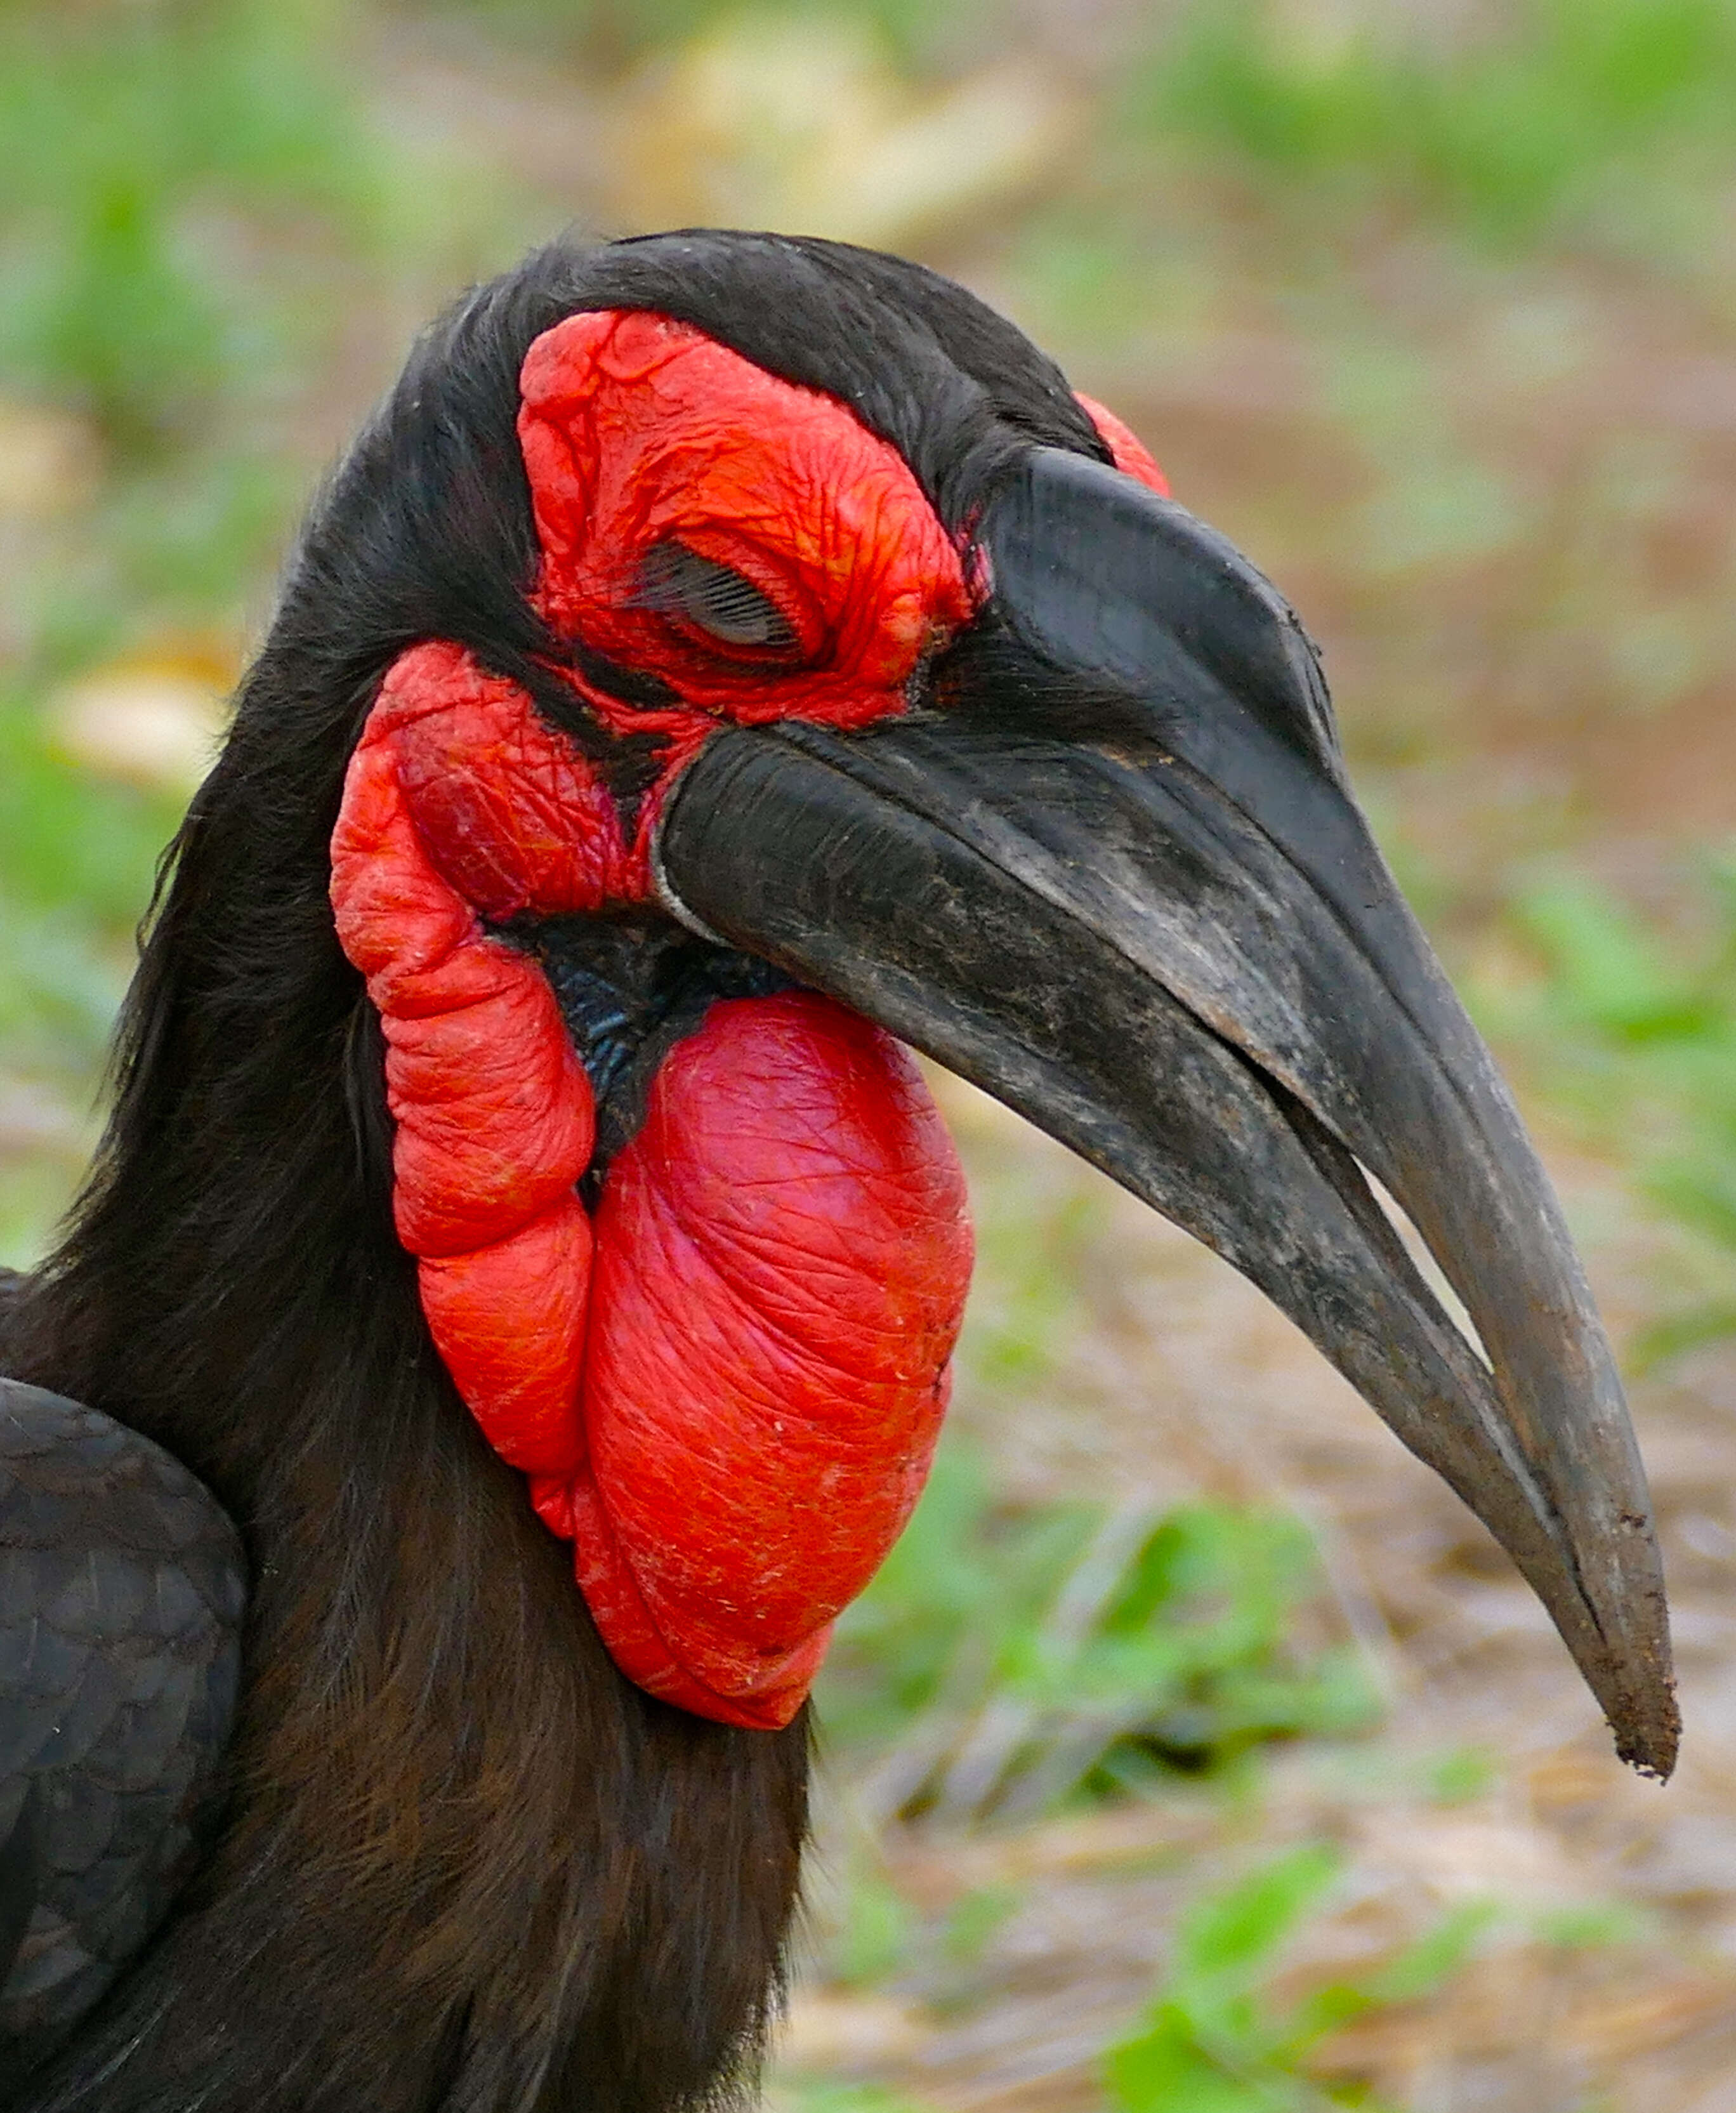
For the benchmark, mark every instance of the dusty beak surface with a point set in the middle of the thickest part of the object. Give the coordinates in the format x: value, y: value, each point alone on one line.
x: 1115, y: 877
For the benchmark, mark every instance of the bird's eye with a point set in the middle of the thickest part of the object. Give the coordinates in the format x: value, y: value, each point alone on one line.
x: 678, y: 582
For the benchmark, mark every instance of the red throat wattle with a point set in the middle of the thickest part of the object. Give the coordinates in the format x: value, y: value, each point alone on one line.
x: 725, y: 1388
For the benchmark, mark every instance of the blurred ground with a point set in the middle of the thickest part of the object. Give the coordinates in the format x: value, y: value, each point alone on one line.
x: 1433, y: 310
x: 1609, y: 1975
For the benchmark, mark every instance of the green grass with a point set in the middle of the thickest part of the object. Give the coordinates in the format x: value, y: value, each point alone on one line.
x: 1627, y: 1024
x: 1012, y: 1662
x: 1008, y: 1659
x: 141, y: 149
x: 1221, y: 2035
x: 183, y: 183
x: 1560, y: 116
x: 1215, y: 2039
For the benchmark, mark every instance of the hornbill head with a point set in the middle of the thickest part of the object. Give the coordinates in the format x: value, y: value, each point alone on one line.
x: 852, y: 679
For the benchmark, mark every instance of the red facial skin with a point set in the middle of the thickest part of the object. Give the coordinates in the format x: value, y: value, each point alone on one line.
x: 727, y: 1392
x: 782, y: 1253
x: 1132, y: 457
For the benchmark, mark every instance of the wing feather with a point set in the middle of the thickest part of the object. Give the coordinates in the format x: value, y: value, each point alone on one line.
x: 122, y: 1595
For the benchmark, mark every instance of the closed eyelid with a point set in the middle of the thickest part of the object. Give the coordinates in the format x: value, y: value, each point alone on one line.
x: 673, y: 581
x: 831, y: 568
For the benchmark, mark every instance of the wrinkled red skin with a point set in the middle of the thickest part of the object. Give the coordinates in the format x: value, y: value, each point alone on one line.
x: 782, y: 1253
x: 727, y: 1391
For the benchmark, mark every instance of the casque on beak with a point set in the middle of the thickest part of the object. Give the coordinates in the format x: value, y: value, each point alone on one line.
x: 1115, y: 876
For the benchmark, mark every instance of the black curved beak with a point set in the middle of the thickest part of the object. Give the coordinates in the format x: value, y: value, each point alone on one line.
x: 1115, y: 877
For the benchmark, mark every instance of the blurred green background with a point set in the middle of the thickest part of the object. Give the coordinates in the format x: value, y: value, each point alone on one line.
x: 1193, y: 1751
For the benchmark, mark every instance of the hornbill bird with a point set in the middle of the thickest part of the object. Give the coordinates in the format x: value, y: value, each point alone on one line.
x: 511, y: 1312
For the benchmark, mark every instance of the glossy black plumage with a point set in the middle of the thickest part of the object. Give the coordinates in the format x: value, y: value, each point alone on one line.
x: 121, y: 1593
x: 467, y: 1865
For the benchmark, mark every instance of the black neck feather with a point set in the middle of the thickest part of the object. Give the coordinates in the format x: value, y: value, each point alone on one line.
x: 466, y: 1865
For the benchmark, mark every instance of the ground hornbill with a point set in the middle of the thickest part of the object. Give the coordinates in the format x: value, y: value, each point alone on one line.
x: 721, y: 655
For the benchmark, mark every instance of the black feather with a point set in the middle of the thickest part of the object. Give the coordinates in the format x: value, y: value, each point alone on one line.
x: 465, y: 1865
x: 121, y: 1598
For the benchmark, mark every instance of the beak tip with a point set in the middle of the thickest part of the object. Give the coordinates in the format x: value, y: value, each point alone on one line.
x: 1646, y: 1719
x: 1632, y: 1673
x: 1647, y: 1739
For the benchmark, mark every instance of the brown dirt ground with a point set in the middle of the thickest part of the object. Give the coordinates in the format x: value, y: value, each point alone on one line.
x: 1177, y: 1378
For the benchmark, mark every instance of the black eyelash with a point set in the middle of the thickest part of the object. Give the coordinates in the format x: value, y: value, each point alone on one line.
x: 677, y: 582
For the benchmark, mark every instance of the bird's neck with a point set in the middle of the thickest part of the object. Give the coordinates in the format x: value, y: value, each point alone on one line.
x: 465, y: 1861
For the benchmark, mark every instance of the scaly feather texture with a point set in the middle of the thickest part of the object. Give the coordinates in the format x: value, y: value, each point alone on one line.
x: 121, y: 1593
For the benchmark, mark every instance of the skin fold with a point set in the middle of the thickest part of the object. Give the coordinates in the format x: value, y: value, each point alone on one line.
x: 726, y: 1393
